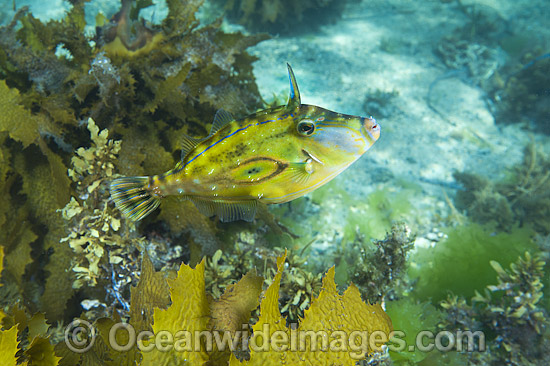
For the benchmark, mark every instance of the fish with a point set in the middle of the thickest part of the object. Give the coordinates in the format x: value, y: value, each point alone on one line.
x: 272, y: 156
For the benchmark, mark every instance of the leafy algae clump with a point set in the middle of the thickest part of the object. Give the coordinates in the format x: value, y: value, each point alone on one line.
x: 192, y: 309
x: 509, y: 312
x: 524, y: 97
x: 380, y: 266
x: 94, y: 225
x: 53, y: 77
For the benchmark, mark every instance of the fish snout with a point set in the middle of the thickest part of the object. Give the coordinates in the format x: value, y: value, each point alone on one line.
x: 371, y: 128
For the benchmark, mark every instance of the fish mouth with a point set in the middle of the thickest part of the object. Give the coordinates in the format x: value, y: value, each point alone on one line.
x: 370, y: 129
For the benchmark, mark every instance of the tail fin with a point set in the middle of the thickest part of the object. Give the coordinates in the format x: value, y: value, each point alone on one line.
x: 133, y: 197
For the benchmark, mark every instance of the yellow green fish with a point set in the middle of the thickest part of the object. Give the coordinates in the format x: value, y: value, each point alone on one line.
x: 272, y: 156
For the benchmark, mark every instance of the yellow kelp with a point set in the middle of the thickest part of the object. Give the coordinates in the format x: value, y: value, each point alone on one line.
x: 272, y: 156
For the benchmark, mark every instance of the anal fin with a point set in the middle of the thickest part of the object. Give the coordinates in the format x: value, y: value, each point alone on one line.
x: 227, y: 211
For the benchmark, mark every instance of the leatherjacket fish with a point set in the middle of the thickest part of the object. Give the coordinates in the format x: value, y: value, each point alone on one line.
x: 272, y: 156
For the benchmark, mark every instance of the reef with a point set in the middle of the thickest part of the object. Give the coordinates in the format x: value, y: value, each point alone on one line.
x: 161, y: 302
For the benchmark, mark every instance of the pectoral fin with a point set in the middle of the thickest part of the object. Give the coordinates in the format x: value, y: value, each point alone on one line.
x: 227, y: 211
x: 299, y: 172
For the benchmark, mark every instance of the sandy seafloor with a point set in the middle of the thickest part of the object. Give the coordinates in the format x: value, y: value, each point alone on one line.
x: 341, y: 64
x: 388, y: 46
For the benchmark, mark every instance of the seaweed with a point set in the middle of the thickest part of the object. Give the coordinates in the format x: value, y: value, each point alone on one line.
x: 379, y: 269
x: 411, y: 317
x: 478, y: 60
x: 523, y: 197
x: 162, y: 302
x: 93, y: 225
x: 373, y: 216
x: 509, y: 312
x: 103, y: 81
x: 329, y: 308
x: 148, y: 84
x: 472, y: 48
x: 458, y: 264
x: 298, y: 288
x: 482, y: 202
x: 517, y: 83
x: 524, y: 97
x: 20, y: 331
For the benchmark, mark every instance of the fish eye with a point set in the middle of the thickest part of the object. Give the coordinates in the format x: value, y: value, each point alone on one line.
x: 305, y: 127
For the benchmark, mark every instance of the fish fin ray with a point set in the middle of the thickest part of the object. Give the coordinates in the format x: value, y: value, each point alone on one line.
x: 294, y: 100
x: 221, y: 119
x: 227, y: 211
x: 133, y: 197
x: 188, y: 143
x: 297, y: 172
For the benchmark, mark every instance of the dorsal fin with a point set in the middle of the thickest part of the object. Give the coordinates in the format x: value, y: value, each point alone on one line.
x: 188, y: 143
x: 294, y: 98
x: 221, y: 118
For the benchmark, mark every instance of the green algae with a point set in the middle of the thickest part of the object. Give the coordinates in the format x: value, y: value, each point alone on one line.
x: 373, y: 216
x: 509, y: 312
x: 459, y: 263
x: 411, y: 317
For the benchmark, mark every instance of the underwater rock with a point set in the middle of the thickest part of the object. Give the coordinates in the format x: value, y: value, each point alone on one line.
x: 283, y: 16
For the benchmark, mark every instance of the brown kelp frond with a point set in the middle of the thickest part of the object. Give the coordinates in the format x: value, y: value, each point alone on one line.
x: 158, y: 82
x: 163, y: 301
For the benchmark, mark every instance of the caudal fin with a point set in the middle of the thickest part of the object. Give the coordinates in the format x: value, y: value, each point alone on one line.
x: 133, y: 197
